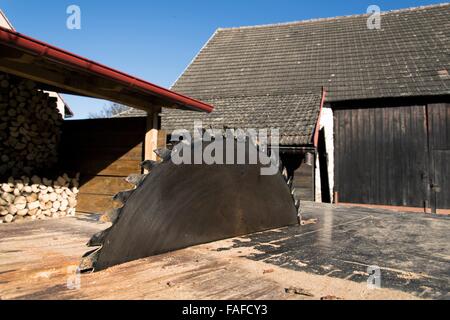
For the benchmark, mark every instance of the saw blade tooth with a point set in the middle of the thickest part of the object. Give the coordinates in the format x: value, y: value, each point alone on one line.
x: 148, y: 164
x: 164, y: 153
x: 122, y: 196
x: 111, y: 215
x: 285, y: 174
x: 135, y: 179
x: 293, y: 190
x: 88, y: 261
x: 299, y: 216
x: 297, y: 204
x: 97, y: 239
x: 289, y: 182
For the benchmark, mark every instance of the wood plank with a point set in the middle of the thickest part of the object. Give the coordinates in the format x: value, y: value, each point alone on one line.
x: 94, y: 203
x: 348, y: 163
x: 103, y: 185
x: 129, y: 125
x: 162, y: 138
x: 303, y: 182
x: 151, y: 136
x: 337, y: 150
x: 120, y: 168
x: 377, y: 140
x: 439, y: 118
x: 86, y: 154
x: 106, y: 139
x: 442, y: 178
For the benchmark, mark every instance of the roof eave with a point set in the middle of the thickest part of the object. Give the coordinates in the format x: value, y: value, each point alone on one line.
x: 36, y: 60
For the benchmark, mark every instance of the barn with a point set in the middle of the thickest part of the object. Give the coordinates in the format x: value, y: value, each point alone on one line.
x: 363, y: 113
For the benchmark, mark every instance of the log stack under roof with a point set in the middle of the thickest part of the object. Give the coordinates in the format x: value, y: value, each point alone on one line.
x: 30, y: 127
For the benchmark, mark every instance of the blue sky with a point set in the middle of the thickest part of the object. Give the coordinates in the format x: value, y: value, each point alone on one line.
x: 156, y: 40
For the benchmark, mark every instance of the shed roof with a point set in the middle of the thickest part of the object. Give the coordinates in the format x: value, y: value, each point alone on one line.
x: 295, y: 115
x: 59, y: 70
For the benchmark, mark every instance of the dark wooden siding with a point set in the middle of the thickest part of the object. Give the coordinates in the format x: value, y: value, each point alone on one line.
x: 381, y: 155
x: 104, y: 151
x: 439, y: 139
x: 304, y: 182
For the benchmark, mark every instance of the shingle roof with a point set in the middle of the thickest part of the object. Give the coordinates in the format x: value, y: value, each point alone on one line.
x: 408, y: 56
x: 256, y: 112
x: 351, y: 61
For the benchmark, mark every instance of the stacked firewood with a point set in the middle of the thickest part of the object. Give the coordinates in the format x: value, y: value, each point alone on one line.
x: 35, y: 198
x: 30, y: 127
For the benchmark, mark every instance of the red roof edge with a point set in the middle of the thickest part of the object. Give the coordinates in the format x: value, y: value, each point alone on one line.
x: 43, y: 49
x: 316, y: 131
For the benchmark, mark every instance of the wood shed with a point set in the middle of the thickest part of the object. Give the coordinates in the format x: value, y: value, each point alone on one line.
x: 100, y: 153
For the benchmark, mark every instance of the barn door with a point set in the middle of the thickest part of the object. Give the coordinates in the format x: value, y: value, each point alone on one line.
x: 381, y: 155
x: 440, y: 190
x: 439, y: 146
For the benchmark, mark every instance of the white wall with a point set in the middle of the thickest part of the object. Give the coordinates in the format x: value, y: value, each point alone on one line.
x: 4, y: 21
x: 327, y: 122
x: 60, y: 104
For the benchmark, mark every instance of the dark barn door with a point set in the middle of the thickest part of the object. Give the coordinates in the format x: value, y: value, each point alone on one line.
x: 439, y: 139
x: 381, y: 155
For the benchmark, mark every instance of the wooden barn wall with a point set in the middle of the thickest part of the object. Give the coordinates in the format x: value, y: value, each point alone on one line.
x: 391, y: 154
x: 439, y: 139
x: 304, y: 182
x: 104, y: 151
x: 381, y: 155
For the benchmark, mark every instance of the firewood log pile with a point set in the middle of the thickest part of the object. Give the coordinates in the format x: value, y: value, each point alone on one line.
x: 30, y: 127
x: 38, y: 199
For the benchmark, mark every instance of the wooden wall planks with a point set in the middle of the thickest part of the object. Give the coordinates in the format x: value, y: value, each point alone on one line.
x: 381, y: 155
x: 388, y: 153
x: 104, y: 151
x: 439, y: 131
x: 304, y: 182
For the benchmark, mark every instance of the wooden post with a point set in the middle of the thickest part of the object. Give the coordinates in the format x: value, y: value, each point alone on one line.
x: 151, y: 137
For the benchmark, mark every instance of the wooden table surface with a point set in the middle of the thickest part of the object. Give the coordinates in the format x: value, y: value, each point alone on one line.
x: 38, y: 259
